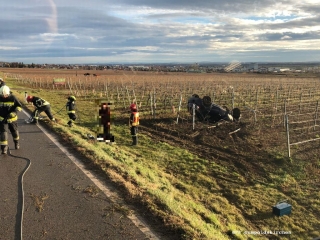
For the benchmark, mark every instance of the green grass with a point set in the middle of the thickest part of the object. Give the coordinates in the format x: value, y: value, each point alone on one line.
x: 197, y: 197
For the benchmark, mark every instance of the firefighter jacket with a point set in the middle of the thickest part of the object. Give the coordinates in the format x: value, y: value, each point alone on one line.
x: 39, y: 102
x: 8, y: 108
x: 134, y: 118
x: 71, y: 106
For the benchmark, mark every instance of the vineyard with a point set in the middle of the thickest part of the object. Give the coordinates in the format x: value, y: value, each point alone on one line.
x: 265, y: 99
x: 279, y: 118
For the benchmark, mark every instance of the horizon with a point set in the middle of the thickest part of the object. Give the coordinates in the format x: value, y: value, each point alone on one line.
x: 164, y: 63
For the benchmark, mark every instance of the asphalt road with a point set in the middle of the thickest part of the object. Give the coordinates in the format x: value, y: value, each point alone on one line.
x: 60, y: 201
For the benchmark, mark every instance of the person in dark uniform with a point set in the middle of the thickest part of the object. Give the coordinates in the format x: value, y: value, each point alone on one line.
x: 71, y: 108
x: 9, y: 105
x: 41, y: 106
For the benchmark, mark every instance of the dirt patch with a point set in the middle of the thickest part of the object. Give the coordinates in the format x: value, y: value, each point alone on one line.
x: 236, y: 146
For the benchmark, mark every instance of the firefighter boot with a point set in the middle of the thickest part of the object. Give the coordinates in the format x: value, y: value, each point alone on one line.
x: 34, y: 121
x: 4, y: 149
x: 70, y: 123
x: 16, y: 144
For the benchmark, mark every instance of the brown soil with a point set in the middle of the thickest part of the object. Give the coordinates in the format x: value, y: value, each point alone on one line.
x: 215, y: 143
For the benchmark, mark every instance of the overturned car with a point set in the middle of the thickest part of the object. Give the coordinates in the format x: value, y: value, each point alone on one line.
x: 205, y: 110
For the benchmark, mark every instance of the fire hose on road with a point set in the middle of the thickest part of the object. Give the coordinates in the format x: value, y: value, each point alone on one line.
x: 21, y: 193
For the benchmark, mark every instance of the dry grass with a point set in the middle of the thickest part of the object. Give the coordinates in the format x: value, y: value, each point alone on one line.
x: 92, y: 190
x: 39, y: 201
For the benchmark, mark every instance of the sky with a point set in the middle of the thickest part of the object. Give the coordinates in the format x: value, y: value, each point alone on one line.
x: 159, y: 31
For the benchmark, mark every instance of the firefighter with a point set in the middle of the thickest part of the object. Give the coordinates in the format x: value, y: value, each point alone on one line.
x: 134, y: 123
x: 40, y: 105
x: 71, y: 108
x: 9, y: 105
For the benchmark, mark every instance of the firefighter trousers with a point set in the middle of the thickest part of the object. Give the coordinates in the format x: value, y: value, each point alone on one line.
x: 39, y: 110
x: 134, y: 130
x: 72, y: 118
x: 13, y: 127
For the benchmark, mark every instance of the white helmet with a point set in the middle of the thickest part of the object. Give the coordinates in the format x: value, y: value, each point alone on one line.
x: 5, y: 91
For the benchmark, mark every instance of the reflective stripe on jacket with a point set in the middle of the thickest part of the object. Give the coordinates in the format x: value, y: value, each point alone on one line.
x: 39, y: 102
x: 135, y: 119
x: 9, y: 105
x: 6, y: 104
x: 9, y: 120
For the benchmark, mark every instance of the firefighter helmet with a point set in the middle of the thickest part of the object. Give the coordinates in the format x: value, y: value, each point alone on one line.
x: 133, y: 106
x: 29, y: 99
x: 4, y: 91
x: 72, y: 98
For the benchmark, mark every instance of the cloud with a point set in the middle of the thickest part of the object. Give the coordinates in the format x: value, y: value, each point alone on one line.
x: 157, y: 31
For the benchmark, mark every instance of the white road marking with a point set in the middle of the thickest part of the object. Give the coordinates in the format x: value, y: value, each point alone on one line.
x: 113, y: 196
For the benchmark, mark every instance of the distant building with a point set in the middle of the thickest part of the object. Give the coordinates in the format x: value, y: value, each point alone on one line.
x: 285, y: 70
x: 274, y: 69
x: 254, y: 67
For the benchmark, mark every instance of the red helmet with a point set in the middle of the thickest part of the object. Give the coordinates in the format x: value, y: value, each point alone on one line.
x: 133, y: 106
x: 29, y: 99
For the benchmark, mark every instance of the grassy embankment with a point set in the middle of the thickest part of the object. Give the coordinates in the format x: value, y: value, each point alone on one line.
x: 181, y: 188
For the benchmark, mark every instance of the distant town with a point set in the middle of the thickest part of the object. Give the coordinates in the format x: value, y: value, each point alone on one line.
x: 236, y: 67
